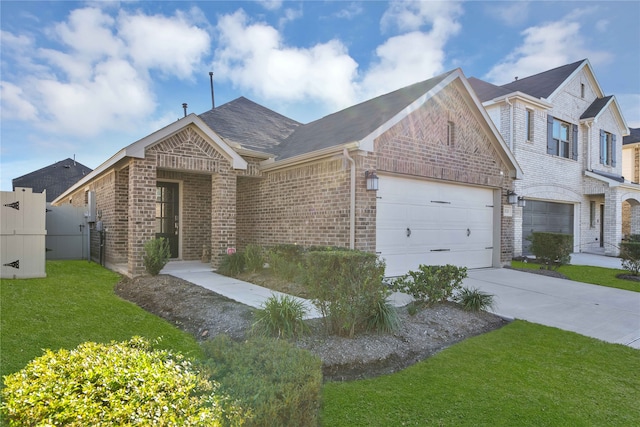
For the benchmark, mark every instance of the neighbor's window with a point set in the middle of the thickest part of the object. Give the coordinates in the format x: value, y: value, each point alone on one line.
x: 450, y: 131
x: 607, y: 148
x: 529, y: 124
x: 592, y: 214
x: 581, y: 90
x: 562, y: 138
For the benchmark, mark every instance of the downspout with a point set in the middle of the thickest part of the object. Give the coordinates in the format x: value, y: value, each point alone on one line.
x: 588, y: 166
x: 510, y: 123
x: 352, y: 208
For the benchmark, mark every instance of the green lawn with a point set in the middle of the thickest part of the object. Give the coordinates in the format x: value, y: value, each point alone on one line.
x: 521, y: 375
x: 73, y: 304
x: 588, y: 274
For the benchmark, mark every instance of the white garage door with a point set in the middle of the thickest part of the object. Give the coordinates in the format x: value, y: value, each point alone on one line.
x: 432, y: 223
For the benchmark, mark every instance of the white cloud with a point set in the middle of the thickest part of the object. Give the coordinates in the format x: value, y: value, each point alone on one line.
x: 415, y: 55
x: 254, y: 57
x: 545, y: 47
x: 170, y: 44
x: 97, y: 75
x: 351, y: 11
x: 289, y: 15
x: 270, y: 4
x: 408, y: 16
x: 510, y: 13
x: 14, y: 104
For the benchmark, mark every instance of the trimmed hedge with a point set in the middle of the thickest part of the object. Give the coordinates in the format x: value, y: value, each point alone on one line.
x: 277, y: 382
x: 347, y: 288
x: 111, y: 385
x: 551, y: 249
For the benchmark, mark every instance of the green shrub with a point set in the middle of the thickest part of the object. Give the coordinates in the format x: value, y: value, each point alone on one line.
x: 156, y: 255
x: 630, y: 254
x: 285, y: 261
x: 231, y: 264
x: 384, y: 316
x: 473, y: 299
x: 282, y: 317
x: 253, y: 258
x: 114, y: 384
x: 347, y: 288
x: 431, y: 283
x: 551, y: 249
x: 279, y: 383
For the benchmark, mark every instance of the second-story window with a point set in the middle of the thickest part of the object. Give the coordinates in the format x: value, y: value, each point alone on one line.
x: 607, y: 148
x: 562, y: 138
x: 529, y: 124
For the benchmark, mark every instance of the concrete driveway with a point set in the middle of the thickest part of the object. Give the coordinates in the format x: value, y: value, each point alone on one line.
x: 612, y: 315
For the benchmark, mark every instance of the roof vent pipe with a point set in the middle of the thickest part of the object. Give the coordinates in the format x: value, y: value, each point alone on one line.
x: 184, y: 107
x: 213, y: 104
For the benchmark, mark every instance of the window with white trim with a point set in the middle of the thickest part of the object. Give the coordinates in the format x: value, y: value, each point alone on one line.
x: 562, y: 138
x: 607, y: 148
x: 529, y: 124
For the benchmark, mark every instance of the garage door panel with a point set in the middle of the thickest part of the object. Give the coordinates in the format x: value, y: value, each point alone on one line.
x: 450, y: 224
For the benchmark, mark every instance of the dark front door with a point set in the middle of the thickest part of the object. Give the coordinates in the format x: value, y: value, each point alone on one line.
x: 602, y: 226
x: 167, y: 214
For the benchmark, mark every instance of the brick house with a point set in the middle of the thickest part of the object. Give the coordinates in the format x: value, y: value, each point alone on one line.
x: 566, y: 134
x: 630, y: 170
x: 241, y: 173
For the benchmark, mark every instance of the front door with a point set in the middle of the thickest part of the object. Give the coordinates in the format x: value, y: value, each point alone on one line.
x: 602, y: 226
x: 167, y: 214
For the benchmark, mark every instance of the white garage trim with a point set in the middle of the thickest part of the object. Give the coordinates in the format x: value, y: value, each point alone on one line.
x: 435, y: 223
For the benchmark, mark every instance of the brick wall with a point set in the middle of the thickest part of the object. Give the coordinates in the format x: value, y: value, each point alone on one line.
x: 306, y: 204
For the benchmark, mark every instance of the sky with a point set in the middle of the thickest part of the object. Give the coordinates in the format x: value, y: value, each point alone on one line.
x: 85, y: 79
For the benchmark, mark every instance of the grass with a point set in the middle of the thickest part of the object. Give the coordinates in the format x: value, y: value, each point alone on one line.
x: 73, y: 304
x: 522, y: 374
x: 589, y: 274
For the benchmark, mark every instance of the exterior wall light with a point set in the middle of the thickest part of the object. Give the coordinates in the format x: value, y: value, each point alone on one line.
x: 522, y: 202
x: 512, y: 197
x: 372, y: 180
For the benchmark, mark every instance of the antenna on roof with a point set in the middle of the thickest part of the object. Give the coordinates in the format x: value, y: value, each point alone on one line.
x: 213, y: 104
x: 184, y: 107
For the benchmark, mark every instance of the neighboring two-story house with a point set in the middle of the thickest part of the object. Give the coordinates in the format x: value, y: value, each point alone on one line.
x: 566, y: 134
x: 631, y: 171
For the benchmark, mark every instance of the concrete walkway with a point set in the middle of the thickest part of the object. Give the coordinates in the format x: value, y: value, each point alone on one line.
x: 612, y: 315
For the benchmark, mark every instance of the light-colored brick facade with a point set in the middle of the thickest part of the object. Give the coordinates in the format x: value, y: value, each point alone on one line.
x: 227, y: 201
x: 553, y: 178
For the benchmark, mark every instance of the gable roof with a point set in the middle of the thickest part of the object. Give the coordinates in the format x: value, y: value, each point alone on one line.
x: 596, y: 107
x: 543, y: 85
x: 55, y: 178
x: 633, y: 137
x: 138, y: 148
x: 354, y: 123
x: 249, y: 125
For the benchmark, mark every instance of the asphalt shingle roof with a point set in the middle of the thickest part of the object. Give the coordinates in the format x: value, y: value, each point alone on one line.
x: 249, y: 124
x: 55, y: 178
x: 633, y: 137
x: 595, y: 107
x: 353, y: 123
x: 485, y: 90
x: 543, y: 84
